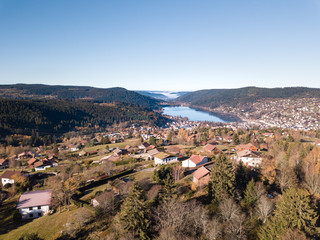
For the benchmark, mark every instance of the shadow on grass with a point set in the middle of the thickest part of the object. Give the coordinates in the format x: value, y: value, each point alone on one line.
x: 7, y: 212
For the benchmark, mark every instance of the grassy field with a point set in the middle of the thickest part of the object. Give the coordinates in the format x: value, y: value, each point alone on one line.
x: 91, y: 192
x: 137, y: 176
x: 48, y: 227
x: 131, y: 142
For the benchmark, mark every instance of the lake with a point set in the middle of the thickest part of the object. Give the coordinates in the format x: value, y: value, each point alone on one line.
x: 191, y: 114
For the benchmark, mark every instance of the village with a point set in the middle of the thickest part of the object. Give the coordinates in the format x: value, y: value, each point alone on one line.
x: 295, y: 114
x: 104, y: 165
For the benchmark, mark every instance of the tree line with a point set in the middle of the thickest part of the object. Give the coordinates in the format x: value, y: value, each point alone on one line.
x: 60, y: 116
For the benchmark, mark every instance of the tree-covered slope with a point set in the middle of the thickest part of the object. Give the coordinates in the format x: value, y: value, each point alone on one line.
x: 59, y: 116
x: 216, y: 97
x: 40, y: 91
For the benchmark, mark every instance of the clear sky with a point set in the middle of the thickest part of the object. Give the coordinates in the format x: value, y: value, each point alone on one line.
x: 161, y: 44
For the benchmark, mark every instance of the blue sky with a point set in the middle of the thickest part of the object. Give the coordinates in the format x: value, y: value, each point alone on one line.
x: 161, y: 45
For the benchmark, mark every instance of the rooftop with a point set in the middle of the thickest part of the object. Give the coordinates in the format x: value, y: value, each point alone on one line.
x: 200, y: 172
x: 33, y: 199
x: 196, y: 158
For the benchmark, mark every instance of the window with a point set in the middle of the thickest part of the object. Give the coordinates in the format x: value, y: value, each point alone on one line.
x: 30, y: 208
x: 31, y: 215
x: 39, y: 207
x: 39, y: 214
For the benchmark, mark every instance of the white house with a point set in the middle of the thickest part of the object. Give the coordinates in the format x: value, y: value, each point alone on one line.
x: 44, y: 164
x: 195, y: 160
x: 249, y: 158
x: 164, y: 158
x: 34, y: 204
x: 8, y: 176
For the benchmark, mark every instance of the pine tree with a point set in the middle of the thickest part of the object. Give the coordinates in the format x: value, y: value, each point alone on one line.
x: 152, y: 141
x: 55, y: 147
x: 242, y: 178
x: 293, y: 211
x: 222, y: 179
x: 135, y: 213
x: 250, y: 195
x: 235, y: 139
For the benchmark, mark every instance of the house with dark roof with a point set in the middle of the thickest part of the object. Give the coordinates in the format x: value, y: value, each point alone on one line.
x: 34, y: 204
x: 44, y: 164
x: 4, y: 163
x: 194, y: 161
x: 8, y: 176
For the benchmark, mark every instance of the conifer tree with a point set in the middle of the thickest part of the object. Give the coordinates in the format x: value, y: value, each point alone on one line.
x: 222, y: 179
x: 242, y: 177
x: 235, y: 139
x: 293, y: 211
x: 135, y: 213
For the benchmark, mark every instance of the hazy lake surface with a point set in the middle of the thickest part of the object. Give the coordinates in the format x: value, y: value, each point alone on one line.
x: 191, y: 114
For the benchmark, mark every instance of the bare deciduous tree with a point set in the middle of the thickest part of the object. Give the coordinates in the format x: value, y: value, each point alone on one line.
x: 264, y: 208
x: 286, y: 178
x: 235, y: 229
x: 177, y: 172
x: 213, y: 229
x: 312, y: 177
x: 233, y: 219
x: 106, y: 202
x: 229, y: 210
x: 180, y: 217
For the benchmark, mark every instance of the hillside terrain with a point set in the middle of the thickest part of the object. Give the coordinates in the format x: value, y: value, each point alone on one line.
x: 232, y: 97
x: 60, y: 116
x: 293, y: 108
x: 40, y: 91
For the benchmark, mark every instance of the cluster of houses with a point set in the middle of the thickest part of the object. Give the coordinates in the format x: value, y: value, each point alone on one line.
x: 37, y: 203
x: 42, y: 164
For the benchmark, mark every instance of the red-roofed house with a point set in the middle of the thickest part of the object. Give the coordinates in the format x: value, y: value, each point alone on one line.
x: 32, y: 161
x: 211, y: 149
x: 34, y: 204
x: 201, y: 176
x: 249, y: 158
x: 248, y: 146
x: 195, y: 160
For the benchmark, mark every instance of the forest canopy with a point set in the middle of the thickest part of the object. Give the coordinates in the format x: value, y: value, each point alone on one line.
x: 60, y: 116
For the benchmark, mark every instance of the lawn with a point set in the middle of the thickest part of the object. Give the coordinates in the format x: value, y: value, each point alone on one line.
x: 131, y: 142
x: 91, y: 192
x: 48, y: 227
x: 7, y: 209
x: 137, y: 176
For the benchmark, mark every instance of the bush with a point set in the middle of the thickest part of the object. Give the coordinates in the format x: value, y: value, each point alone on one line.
x: 30, y: 236
x: 17, y: 217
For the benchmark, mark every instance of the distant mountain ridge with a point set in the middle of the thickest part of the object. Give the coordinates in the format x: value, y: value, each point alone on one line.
x: 41, y: 91
x: 216, y: 97
x: 162, y: 95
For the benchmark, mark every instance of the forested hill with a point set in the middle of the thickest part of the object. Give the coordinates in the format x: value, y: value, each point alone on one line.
x: 60, y: 116
x: 40, y: 91
x: 215, y: 97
